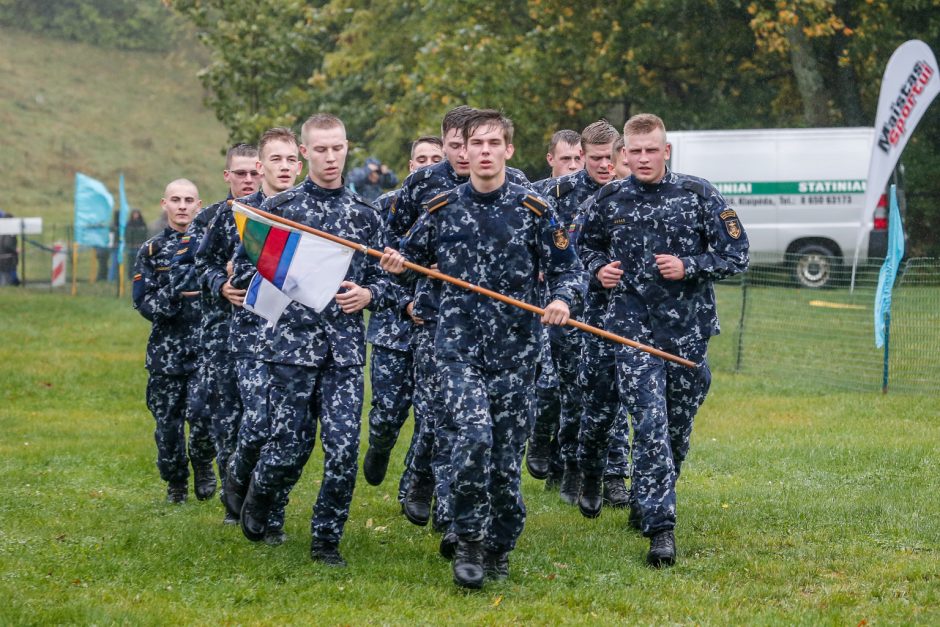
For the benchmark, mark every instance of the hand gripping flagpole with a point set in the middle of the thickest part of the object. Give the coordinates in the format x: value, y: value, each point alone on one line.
x: 607, y: 335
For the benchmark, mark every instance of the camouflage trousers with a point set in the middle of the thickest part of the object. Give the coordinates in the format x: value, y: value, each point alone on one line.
x: 431, y: 459
x: 492, y: 412
x: 170, y: 400
x: 392, y: 378
x: 297, y: 398
x: 604, y: 446
x: 558, y: 405
x: 253, y: 431
x: 662, y: 399
x: 221, y: 402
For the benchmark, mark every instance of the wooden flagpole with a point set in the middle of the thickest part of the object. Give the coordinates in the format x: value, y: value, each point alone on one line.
x: 607, y: 335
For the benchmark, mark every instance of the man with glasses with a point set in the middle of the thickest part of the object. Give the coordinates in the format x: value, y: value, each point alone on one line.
x: 243, y: 178
x: 239, y: 374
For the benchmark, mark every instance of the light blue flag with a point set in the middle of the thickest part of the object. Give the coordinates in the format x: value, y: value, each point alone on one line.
x: 93, y: 207
x: 124, y: 211
x: 889, y: 270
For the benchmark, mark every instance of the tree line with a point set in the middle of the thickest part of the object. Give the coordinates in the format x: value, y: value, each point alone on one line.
x: 391, y: 69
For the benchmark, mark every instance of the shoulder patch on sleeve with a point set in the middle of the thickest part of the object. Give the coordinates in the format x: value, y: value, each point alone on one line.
x: 562, y: 188
x: 696, y: 186
x: 731, y: 222
x: 535, y: 204
x: 437, y: 202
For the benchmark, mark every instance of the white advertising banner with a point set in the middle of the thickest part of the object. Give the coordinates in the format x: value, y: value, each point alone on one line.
x: 909, y: 85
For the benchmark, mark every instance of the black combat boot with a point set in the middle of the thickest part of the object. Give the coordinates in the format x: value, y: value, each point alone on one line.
x: 375, y: 465
x: 662, y: 549
x: 233, y: 497
x: 636, y: 517
x: 176, y: 491
x: 204, y: 481
x: 496, y: 565
x: 468, y: 564
x: 255, y: 512
x: 274, y: 536
x: 448, y: 545
x: 326, y: 552
x: 536, y: 458
x: 570, y: 484
x: 417, y: 503
x: 553, y: 480
x: 590, y: 499
x: 615, y: 492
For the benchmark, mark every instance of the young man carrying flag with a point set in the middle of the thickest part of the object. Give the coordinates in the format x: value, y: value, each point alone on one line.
x: 314, y: 359
x: 279, y: 164
x: 498, y: 235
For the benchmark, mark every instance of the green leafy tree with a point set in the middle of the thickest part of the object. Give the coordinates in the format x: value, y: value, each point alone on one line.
x: 263, y: 55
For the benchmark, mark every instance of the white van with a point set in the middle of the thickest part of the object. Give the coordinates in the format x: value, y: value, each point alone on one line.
x: 798, y: 192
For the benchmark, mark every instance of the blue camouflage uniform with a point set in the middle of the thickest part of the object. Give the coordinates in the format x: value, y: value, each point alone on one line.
x: 631, y: 222
x: 431, y: 456
x: 217, y: 392
x: 314, y: 364
x: 558, y: 411
x: 245, y: 330
x: 487, y: 350
x: 597, y: 370
x: 171, y: 359
x: 391, y: 367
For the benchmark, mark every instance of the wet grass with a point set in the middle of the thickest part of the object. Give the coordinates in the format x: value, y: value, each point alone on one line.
x: 796, y: 507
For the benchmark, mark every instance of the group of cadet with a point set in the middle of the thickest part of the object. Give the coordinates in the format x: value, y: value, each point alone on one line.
x: 613, y: 237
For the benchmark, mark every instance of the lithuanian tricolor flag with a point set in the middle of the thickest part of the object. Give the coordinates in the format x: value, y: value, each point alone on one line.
x: 307, y: 268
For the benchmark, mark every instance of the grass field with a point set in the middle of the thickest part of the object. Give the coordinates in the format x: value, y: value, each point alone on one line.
x: 68, y: 107
x: 796, y: 507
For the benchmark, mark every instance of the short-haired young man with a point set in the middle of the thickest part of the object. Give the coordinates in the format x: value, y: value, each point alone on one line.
x: 559, y: 398
x: 279, y: 165
x: 426, y: 150
x: 430, y: 462
x: 391, y: 368
x: 314, y: 361
x: 564, y: 153
x: 657, y: 240
x: 420, y: 186
x: 215, y: 374
x: 618, y: 159
x: 498, y: 235
x: 171, y: 353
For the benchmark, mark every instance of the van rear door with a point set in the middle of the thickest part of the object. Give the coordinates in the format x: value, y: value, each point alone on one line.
x: 735, y: 162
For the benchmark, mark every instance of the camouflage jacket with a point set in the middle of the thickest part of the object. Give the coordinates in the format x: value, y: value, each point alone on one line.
x: 185, y: 277
x: 498, y: 240
x: 685, y: 216
x: 216, y: 250
x: 419, y: 188
x: 597, y: 298
x: 566, y: 193
x: 390, y: 326
x: 174, y: 337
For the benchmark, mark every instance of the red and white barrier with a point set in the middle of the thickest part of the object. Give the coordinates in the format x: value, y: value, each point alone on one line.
x: 59, y: 255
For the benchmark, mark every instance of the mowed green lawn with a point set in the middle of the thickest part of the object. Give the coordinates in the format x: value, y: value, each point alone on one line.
x: 796, y: 507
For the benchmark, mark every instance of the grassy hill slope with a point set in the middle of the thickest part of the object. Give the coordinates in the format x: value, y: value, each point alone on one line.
x: 67, y: 107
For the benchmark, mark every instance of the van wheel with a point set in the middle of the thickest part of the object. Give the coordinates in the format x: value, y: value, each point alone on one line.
x: 816, y: 266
